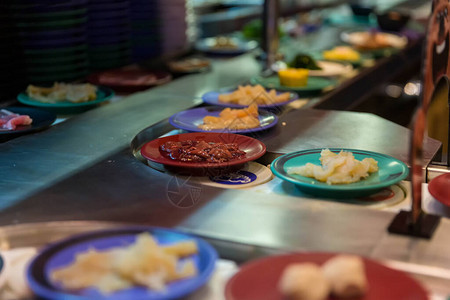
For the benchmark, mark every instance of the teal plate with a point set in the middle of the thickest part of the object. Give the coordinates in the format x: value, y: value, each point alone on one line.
x: 390, y: 171
x: 314, y: 86
x: 66, y: 107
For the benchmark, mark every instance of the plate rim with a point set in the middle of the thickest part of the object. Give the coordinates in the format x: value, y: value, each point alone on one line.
x: 178, y: 164
x: 338, y: 187
x: 217, y: 108
x: 51, y: 119
x: 25, y: 99
x: 95, y: 79
x: 73, y: 239
x: 431, y: 189
x: 325, y: 254
x: 300, y: 89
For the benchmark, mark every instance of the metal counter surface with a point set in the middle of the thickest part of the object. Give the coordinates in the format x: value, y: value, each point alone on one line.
x: 32, y: 162
x: 242, y: 224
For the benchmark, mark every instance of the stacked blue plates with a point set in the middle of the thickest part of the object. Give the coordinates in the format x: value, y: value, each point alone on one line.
x: 145, y: 29
x: 53, y: 37
x: 12, y: 69
x: 109, y: 32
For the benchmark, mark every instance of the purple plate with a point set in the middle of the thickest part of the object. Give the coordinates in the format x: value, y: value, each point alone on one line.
x: 190, y: 120
x: 64, y: 252
x: 212, y: 98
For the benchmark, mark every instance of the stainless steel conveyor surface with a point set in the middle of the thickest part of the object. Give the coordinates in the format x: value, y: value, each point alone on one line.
x: 85, y: 169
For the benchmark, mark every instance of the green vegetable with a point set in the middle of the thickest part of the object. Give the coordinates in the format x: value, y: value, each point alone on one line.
x: 253, y: 30
x: 305, y: 62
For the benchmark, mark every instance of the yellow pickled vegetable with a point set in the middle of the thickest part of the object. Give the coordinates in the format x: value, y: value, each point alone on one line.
x: 293, y: 77
x: 342, y: 53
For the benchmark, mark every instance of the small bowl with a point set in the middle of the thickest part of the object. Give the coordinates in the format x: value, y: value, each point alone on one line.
x: 361, y: 10
x: 392, y: 20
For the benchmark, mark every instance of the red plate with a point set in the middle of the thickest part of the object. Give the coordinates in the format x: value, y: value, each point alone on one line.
x: 130, y: 80
x: 439, y: 188
x: 259, y: 279
x: 253, y: 148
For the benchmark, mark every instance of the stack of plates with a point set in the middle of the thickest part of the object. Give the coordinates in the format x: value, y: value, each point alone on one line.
x: 174, y: 27
x: 12, y: 70
x: 145, y: 25
x: 53, y: 38
x: 109, y: 36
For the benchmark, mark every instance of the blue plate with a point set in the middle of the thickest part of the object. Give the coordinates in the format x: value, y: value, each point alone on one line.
x: 103, y: 94
x: 242, y: 46
x: 64, y: 252
x: 213, y: 99
x: 190, y: 120
x: 390, y: 172
x: 41, y: 120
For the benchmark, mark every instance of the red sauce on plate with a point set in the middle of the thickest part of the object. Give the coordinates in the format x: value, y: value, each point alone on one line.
x: 201, y: 151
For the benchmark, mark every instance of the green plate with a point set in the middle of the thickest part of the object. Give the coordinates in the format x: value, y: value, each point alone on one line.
x: 55, y: 68
x: 390, y: 171
x: 315, y: 85
x: 66, y: 107
x: 60, y: 76
x: 57, y: 59
x: 52, y: 24
x: 66, y: 50
x: 49, y: 15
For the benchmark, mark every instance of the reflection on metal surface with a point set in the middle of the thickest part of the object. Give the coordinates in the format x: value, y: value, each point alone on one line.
x: 183, y: 192
x: 393, y: 91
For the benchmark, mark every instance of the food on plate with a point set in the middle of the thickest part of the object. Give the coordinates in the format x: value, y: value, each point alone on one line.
x: 223, y: 42
x: 293, y: 77
x: 304, y: 61
x: 16, y: 261
x: 188, y: 65
x: 201, y: 151
x: 304, y: 281
x: 127, y: 77
x: 346, y: 275
x: 144, y: 263
x: 253, y: 30
x: 82, y: 92
x: 342, y: 53
x: 337, y: 168
x: 371, y: 40
x: 233, y: 119
x: 246, y: 95
x: 10, y: 120
x: 342, y: 276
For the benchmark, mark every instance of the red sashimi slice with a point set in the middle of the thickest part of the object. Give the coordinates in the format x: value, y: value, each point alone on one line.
x: 17, y: 121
